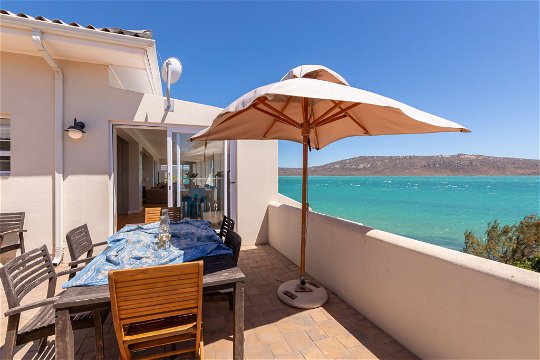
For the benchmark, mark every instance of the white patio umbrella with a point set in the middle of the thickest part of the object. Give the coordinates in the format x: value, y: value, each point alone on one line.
x: 315, y: 106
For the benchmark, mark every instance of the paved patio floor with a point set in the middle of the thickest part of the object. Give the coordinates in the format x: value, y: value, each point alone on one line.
x: 273, y: 330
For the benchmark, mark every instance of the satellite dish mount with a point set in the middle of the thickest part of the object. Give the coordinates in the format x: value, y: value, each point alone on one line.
x: 171, y: 70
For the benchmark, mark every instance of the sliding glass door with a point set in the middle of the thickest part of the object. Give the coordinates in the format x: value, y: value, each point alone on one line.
x: 197, y: 176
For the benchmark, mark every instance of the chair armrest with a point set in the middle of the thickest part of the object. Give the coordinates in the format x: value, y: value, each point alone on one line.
x: 80, y: 261
x: 21, y: 308
x: 12, y: 232
x: 99, y: 243
x: 69, y: 271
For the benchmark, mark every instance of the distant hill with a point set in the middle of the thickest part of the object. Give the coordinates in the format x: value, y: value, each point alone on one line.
x: 443, y: 165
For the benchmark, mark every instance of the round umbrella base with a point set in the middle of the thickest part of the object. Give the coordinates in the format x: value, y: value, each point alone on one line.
x: 302, y: 297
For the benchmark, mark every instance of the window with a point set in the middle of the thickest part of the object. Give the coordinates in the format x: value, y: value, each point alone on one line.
x: 5, y: 146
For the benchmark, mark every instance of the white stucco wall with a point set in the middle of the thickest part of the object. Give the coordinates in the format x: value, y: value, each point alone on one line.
x: 27, y: 96
x: 30, y: 109
x: 257, y: 185
x: 437, y: 302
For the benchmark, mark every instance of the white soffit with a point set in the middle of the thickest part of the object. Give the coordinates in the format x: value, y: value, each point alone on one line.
x: 74, y: 49
x: 128, y: 78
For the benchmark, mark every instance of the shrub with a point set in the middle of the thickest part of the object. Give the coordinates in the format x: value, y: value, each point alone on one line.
x: 517, y: 244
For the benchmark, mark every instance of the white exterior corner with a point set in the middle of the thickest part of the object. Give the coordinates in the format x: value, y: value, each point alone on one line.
x: 51, y: 74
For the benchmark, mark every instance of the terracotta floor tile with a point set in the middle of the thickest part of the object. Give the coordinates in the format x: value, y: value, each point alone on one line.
x: 298, y: 340
x: 332, y: 348
x: 348, y: 340
x: 332, y: 327
x: 280, y: 348
x: 313, y: 352
x: 273, y: 329
x: 316, y: 333
x: 260, y: 351
x: 269, y: 334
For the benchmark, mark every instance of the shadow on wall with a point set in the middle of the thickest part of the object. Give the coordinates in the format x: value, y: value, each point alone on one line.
x: 262, y: 236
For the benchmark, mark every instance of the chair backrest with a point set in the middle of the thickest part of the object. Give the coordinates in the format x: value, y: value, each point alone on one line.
x: 11, y: 221
x: 156, y: 292
x: 234, y: 241
x: 197, y: 193
x: 227, y: 224
x: 79, y: 242
x: 23, y: 273
x: 152, y: 214
x: 175, y: 214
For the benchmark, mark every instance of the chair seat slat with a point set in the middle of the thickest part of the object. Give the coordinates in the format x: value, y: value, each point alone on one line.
x: 158, y: 311
x: 156, y: 301
x: 26, y: 262
x: 149, y: 284
x: 144, y: 294
x: 143, y: 317
x: 30, y: 276
x: 13, y: 264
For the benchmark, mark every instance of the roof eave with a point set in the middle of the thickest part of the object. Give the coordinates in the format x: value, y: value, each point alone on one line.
x: 149, y: 45
x: 78, y: 32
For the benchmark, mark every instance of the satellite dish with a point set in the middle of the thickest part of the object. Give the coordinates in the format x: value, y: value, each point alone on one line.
x: 171, y: 70
x: 172, y: 67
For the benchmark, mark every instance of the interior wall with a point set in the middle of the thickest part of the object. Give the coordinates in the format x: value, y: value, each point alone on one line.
x: 122, y: 176
x: 148, y: 171
x: 135, y: 178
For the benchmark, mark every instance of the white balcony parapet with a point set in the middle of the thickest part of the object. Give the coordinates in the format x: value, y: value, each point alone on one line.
x: 439, y: 303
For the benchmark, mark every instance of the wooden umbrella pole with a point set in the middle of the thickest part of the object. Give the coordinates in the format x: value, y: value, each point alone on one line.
x: 305, y: 139
x: 304, y: 208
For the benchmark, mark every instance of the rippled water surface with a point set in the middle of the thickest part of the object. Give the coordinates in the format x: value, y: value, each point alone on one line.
x: 433, y: 209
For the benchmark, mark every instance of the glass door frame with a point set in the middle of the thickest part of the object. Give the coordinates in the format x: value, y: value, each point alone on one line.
x: 175, y: 131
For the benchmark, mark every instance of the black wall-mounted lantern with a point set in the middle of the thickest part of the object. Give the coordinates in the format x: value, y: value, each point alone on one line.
x: 76, y: 130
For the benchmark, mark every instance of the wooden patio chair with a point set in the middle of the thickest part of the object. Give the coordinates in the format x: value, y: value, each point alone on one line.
x: 157, y: 306
x: 234, y: 241
x: 12, y: 223
x: 152, y: 214
x: 175, y: 213
x: 19, y: 276
x: 227, y: 224
x: 79, y: 243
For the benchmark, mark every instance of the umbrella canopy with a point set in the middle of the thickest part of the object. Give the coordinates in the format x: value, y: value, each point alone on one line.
x: 334, y: 112
x: 318, y: 72
x: 315, y: 106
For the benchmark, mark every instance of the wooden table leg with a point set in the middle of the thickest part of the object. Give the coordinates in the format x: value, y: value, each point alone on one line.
x: 64, y: 341
x: 98, y: 328
x: 238, y: 336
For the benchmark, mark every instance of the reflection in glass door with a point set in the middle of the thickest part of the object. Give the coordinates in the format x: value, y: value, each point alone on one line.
x: 196, y: 176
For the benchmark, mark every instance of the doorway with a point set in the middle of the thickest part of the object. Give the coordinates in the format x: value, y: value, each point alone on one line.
x: 160, y: 167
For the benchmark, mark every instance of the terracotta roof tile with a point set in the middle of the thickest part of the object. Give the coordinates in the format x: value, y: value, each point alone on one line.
x: 146, y: 34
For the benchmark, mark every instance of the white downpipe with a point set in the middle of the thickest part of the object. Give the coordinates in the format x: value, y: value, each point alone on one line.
x: 58, y: 144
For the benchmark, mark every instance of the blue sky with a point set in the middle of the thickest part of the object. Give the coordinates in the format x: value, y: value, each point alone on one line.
x: 476, y: 63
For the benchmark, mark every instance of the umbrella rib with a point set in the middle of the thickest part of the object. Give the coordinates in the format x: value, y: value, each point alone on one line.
x: 269, y: 128
x: 232, y: 117
x: 283, y: 115
x: 316, y: 138
x: 330, y: 120
x: 274, y: 121
x: 327, y: 112
x: 336, y: 115
x: 357, y: 122
x: 277, y: 117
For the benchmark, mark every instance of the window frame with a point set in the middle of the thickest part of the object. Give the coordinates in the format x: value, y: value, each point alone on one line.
x: 7, y: 152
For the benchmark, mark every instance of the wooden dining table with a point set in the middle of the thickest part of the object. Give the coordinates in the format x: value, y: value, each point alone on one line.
x: 220, y: 272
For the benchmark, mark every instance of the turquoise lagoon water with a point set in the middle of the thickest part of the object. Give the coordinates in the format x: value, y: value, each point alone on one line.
x: 433, y: 209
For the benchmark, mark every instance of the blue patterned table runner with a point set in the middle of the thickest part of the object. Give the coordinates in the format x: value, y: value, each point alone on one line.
x: 134, y: 246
